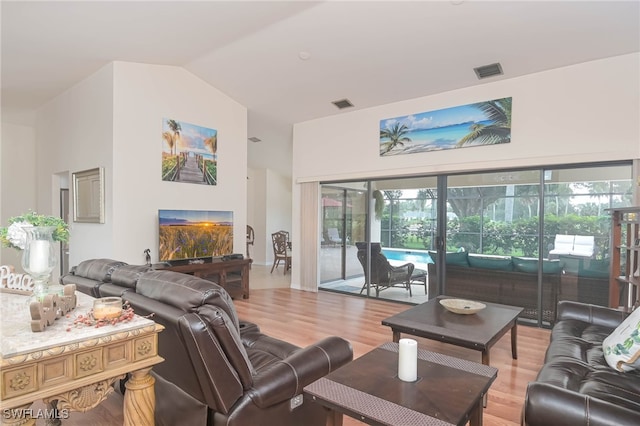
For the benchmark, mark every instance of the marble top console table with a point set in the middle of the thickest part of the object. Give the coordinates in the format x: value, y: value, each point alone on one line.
x: 74, y: 368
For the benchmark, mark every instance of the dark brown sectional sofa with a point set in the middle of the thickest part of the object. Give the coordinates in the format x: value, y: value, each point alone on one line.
x: 575, y: 385
x: 218, y: 370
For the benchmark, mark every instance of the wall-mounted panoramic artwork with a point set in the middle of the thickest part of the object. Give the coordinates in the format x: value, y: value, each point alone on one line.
x: 189, y: 153
x: 481, y: 123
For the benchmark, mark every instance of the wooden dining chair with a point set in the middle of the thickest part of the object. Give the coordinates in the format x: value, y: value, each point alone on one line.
x: 281, y: 250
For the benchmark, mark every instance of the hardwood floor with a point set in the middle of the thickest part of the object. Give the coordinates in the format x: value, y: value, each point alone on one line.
x: 303, y: 318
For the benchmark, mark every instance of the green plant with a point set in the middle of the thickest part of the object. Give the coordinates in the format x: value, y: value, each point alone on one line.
x: 13, y: 236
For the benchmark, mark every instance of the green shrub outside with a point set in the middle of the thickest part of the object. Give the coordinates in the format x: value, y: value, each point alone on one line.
x: 519, y: 237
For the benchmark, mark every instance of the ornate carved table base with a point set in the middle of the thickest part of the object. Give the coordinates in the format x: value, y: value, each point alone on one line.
x: 74, y: 369
x: 139, y: 399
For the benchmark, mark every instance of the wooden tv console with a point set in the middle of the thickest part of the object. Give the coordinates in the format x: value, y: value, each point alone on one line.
x: 232, y: 275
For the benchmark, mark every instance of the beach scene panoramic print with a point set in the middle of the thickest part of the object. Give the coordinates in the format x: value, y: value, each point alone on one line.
x: 480, y: 123
x: 189, y: 153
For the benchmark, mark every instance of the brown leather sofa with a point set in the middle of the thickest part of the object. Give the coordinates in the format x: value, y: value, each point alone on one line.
x: 218, y: 370
x: 89, y: 275
x: 576, y: 386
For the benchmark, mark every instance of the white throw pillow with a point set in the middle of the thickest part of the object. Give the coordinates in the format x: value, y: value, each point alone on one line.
x: 622, y: 347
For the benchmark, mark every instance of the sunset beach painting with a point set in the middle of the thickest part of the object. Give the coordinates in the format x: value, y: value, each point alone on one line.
x: 480, y: 123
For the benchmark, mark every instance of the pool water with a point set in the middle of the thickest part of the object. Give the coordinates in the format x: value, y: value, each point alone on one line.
x: 413, y: 256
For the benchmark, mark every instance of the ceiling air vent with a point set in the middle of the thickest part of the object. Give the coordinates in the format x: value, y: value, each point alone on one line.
x: 488, y: 70
x: 254, y: 139
x: 343, y: 103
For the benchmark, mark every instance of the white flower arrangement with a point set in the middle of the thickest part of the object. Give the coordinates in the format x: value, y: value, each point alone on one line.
x: 14, y: 235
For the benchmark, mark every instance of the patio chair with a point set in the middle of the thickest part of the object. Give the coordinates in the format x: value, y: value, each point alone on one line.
x: 383, y: 274
x: 334, y: 236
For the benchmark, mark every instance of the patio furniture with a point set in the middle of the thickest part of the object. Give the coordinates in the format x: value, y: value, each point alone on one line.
x: 383, y: 274
x: 334, y: 236
x: 573, y: 245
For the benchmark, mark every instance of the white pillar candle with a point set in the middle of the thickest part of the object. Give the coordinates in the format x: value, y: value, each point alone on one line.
x: 408, y: 360
x: 38, y: 256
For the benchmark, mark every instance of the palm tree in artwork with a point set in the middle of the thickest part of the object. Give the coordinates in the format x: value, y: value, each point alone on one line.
x: 396, y: 135
x: 168, y: 137
x: 499, y: 131
x: 175, y: 129
x: 212, y: 143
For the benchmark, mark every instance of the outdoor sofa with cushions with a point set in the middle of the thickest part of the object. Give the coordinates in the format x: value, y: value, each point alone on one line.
x: 576, y: 385
x: 508, y: 280
x: 573, y: 245
x: 586, y: 280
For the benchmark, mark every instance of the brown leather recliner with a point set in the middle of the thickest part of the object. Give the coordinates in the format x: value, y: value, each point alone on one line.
x: 219, y: 371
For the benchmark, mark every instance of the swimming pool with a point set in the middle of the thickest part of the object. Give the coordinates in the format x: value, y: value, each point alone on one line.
x: 404, y: 255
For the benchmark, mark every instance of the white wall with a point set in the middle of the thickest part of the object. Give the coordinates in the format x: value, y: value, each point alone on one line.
x: 113, y: 119
x: 17, y: 179
x: 582, y: 113
x: 268, y: 210
x: 257, y: 194
x: 278, y: 208
x: 143, y: 96
x: 74, y: 132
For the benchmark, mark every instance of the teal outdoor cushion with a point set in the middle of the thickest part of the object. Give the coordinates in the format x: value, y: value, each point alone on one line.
x: 522, y: 264
x: 529, y: 265
x: 453, y: 258
x: 496, y: 263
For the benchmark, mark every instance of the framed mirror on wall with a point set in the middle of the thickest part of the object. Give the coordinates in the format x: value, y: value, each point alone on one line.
x: 88, y: 196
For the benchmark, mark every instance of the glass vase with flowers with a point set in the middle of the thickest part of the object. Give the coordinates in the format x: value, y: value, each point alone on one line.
x: 35, y: 236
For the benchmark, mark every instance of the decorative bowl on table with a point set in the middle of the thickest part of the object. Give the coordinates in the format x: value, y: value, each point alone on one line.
x: 462, y: 306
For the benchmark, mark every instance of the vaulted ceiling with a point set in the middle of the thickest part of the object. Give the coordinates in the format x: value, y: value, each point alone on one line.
x: 286, y: 61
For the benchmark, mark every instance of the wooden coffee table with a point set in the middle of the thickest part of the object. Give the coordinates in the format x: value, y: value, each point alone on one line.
x: 449, y: 391
x: 478, y: 331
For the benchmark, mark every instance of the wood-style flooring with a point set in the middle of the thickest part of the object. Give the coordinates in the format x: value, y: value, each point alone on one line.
x: 304, y: 317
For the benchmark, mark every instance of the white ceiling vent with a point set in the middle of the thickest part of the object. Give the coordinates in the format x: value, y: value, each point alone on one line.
x: 254, y: 139
x: 488, y: 70
x: 343, y: 103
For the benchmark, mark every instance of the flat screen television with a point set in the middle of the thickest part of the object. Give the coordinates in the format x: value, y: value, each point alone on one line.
x: 194, y: 234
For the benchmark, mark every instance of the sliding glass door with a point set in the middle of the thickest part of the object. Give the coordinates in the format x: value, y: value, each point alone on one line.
x: 577, y: 227
x: 533, y: 237
x: 509, y: 226
x: 344, y: 220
